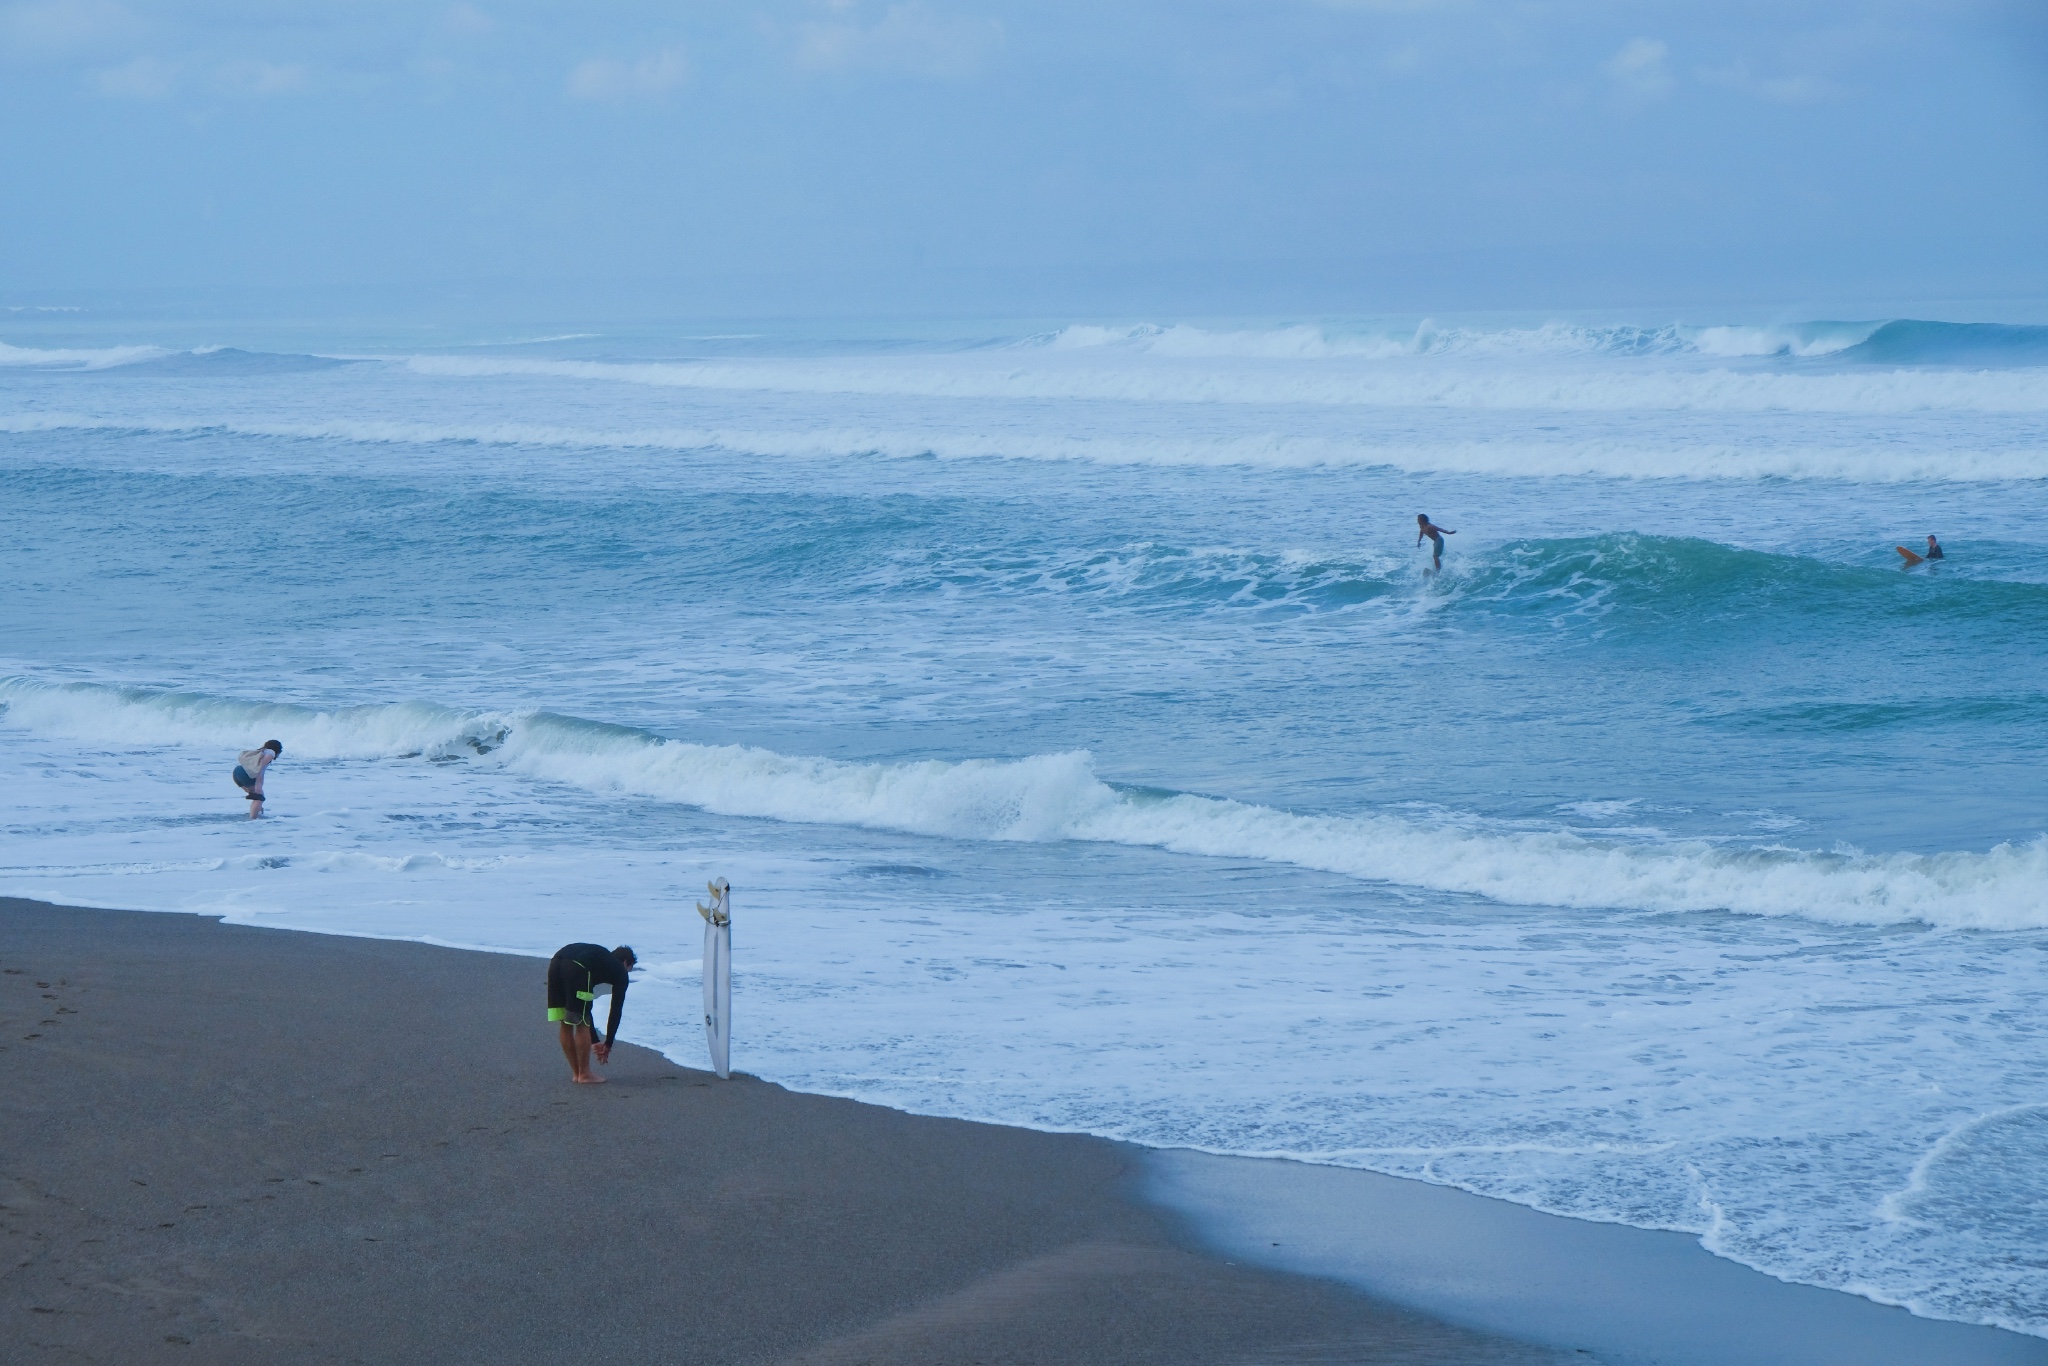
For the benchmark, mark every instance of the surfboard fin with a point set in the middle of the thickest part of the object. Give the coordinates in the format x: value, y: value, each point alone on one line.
x: 719, y: 911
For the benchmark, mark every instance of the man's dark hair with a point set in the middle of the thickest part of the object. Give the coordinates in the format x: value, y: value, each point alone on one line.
x: 275, y: 747
x: 625, y: 952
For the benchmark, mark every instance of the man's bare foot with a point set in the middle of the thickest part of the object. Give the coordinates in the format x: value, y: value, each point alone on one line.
x: 592, y: 1080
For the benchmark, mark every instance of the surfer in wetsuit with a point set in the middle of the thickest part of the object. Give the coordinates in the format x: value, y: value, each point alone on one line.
x: 1933, y: 550
x: 249, y: 767
x: 577, y: 975
x: 1436, y: 534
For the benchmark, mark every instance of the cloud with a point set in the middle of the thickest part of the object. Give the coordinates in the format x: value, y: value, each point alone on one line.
x: 467, y: 21
x: 615, y: 82
x: 34, y: 30
x: 145, y: 78
x: 1785, y: 89
x: 264, y: 78
x: 1390, y: 6
x: 1641, y: 69
x: 908, y: 37
x: 1791, y: 89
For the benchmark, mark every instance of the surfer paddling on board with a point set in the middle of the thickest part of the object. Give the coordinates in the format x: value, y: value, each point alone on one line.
x: 577, y: 975
x: 1436, y: 534
x: 249, y: 767
x: 1933, y: 553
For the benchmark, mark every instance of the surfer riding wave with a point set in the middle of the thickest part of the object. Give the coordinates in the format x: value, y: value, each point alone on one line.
x: 1436, y: 534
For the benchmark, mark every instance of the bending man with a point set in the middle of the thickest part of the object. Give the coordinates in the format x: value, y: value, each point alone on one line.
x: 252, y: 765
x: 577, y: 975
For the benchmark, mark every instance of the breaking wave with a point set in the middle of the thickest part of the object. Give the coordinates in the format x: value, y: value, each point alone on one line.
x: 75, y: 358
x: 1060, y: 797
x: 1303, y: 341
x: 1896, y: 342
x: 1910, y: 342
x: 1904, y: 341
x: 1700, y: 582
x: 1616, y: 578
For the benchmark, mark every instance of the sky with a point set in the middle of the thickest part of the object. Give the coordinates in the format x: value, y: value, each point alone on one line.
x: 1041, y: 157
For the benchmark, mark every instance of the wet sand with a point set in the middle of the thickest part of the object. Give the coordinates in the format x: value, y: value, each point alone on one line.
x: 231, y: 1145
x: 1626, y: 1296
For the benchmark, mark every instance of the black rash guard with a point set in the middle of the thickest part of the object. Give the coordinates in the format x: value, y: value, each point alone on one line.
x: 583, y: 968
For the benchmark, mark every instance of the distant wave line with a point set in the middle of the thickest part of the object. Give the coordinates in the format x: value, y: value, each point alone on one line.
x: 1001, y: 376
x: 1602, y: 459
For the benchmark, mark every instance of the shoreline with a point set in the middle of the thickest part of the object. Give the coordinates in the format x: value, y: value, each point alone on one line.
x: 234, y: 1144
x: 945, y: 1240
x: 1616, y: 1292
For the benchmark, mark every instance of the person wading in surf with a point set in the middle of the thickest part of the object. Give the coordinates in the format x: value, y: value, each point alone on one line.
x: 577, y: 975
x: 1933, y: 550
x: 1436, y: 534
x: 249, y: 768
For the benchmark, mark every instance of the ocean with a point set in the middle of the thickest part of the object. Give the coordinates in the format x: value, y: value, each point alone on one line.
x: 1086, y: 744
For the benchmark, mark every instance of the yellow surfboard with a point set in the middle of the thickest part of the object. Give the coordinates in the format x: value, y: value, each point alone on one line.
x: 1908, y: 556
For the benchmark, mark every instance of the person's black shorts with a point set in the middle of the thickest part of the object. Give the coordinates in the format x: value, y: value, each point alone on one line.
x: 247, y: 784
x: 570, y: 993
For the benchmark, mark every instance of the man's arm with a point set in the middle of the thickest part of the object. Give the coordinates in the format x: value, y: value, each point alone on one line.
x: 611, y: 1030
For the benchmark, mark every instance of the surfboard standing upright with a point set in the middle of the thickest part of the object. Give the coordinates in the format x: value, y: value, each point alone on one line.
x: 718, y: 974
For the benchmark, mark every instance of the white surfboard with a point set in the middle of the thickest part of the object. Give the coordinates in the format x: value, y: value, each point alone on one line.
x: 718, y: 974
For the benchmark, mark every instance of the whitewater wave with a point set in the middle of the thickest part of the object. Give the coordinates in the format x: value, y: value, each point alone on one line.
x: 1597, y: 458
x: 1904, y: 342
x: 1299, y: 342
x: 1691, y: 580
x: 1302, y: 341
x: 76, y: 358
x: 1901, y: 341
x: 1146, y: 575
x: 210, y: 361
x: 203, y: 361
x: 1613, y: 579
x: 1052, y: 797
x: 153, y: 716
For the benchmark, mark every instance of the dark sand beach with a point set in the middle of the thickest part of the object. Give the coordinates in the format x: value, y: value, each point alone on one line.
x: 229, y: 1144
x: 239, y: 1145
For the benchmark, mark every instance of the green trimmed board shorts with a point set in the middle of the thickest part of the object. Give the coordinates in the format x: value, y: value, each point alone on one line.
x: 570, y: 993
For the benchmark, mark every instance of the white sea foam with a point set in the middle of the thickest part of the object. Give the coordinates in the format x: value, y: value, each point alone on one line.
x: 1801, y: 340
x: 76, y: 358
x: 142, y: 716
x: 1549, y: 340
x: 1060, y: 797
x: 1903, y: 1206
x: 1299, y: 342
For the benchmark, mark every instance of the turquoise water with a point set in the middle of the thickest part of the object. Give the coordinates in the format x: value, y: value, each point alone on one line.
x: 1087, y: 746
